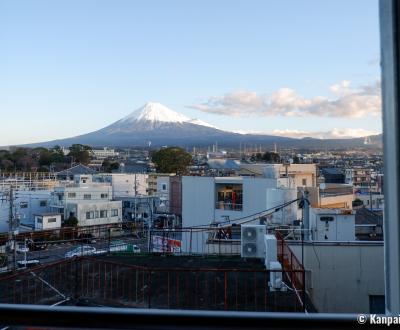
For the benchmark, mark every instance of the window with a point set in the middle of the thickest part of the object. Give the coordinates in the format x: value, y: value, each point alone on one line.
x: 43, y: 203
x: 304, y: 182
x: 96, y: 214
x: 103, y: 214
x: 39, y: 220
x: 87, y: 196
x: 90, y: 215
x: 164, y: 187
x: 104, y: 196
x: 114, y: 212
x: 23, y: 205
x: 71, y: 195
x: 51, y: 220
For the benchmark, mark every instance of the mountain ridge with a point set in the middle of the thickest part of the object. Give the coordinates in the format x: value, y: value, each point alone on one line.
x: 157, y: 125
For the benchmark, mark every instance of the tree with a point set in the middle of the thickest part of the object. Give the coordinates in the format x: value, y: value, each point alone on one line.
x: 357, y: 202
x: 296, y: 160
x: 271, y: 157
x: 80, y: 153
x: 171, y: 160
x: 108, y: 166
x: 71, y: 222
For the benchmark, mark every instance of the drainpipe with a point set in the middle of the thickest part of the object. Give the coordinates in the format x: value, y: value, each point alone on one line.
x: 306, y: 216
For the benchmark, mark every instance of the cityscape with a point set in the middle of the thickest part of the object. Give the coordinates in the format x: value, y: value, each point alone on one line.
x: 214, y: 161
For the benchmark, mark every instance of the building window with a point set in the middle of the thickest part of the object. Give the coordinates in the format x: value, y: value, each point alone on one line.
x: 104, y: 195
x: 103, y: 214
x: 90, y: 215
x: 39, y: 220
x: 96, y: 214
x: 51, y: 220
x: 87, y: 196
x: 304, y: 182
x: 229, y: 197
x: 43, y: 203
x: 71, y: 195
x: 127, y: 204
x: 164, y: 187
x: 23, y: 205
x: 114, y: 212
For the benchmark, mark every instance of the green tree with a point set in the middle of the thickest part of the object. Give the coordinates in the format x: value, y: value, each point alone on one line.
x: 296, y: 160
x: 108, y: 166
x: 171, y: 160
x: 71, y: 222
x: 357, y: 202
x: 271, y: 157
x: 80, y: 153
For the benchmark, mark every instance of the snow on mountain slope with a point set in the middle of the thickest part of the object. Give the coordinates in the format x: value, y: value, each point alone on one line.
x: 155, y: 112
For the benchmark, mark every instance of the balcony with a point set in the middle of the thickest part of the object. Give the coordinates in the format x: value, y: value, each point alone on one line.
x: 228, y: 206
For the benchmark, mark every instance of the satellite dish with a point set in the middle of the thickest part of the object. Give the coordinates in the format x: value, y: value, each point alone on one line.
x: 322, y: 186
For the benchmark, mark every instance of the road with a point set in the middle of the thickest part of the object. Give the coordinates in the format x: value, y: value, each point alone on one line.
x: 57, y: 252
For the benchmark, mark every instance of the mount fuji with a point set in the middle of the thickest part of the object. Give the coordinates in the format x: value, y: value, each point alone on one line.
x: 156, y: 125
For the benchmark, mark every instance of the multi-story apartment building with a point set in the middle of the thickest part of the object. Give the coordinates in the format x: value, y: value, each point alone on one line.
x: 91, y: 203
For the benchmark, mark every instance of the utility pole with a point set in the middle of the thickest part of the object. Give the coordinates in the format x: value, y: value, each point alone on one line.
x: 11, y: 228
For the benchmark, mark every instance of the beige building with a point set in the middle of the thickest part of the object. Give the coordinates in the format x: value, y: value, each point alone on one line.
x: 303, y: 175
x: 330, y: 195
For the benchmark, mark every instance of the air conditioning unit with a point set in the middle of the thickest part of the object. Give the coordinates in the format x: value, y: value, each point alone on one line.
x: 252, y: 243
x: 271, y: 251
x: 275, y: 277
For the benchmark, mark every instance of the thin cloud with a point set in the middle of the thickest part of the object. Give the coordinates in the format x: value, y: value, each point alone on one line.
x: 285, y: 102
x: 335, y: 133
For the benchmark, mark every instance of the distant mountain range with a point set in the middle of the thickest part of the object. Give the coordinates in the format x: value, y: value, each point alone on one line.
x: 156, y: 125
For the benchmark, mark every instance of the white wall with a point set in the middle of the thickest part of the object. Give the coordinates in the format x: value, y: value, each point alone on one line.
x: 340, y: 277
x: 42, y: 222
x: 81, y: 208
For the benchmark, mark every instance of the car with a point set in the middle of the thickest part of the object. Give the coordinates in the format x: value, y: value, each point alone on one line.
x: 84, y: 250
x: 86, y: 238
x: 22, y: 248
x: 136, y: 249
x: 28, y: 263
x: 35, y: 245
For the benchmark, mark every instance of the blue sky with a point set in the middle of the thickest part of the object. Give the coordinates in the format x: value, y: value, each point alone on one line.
x: 288, y: 67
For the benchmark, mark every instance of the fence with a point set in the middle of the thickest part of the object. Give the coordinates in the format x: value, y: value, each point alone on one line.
x: 99, y: 282
x: 292, y: 266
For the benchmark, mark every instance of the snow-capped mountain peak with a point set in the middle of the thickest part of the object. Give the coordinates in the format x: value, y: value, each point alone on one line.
x: 201, y: 123
x: 155, y: 112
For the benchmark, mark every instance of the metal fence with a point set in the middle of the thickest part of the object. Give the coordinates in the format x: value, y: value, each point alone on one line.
x: 97, y: 282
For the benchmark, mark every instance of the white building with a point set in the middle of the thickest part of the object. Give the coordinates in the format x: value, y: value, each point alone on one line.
x: 343, y: 277
x: 207, y: 200
x: 124, y: 185
x: 214, y: 199
x: 91, y: 203
x: 27, y: 203
x: 332, y: 224
x: 104, y: 153
x: 47, y: 221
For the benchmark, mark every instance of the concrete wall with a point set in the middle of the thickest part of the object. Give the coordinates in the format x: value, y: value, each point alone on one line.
x: 341, y: 276
x: 198, y: 198
x: 81, y: 208
x: 125, y: 185
x: 42, y: 222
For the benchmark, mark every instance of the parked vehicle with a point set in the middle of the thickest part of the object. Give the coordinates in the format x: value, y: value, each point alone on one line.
x: 35, y: 245
x: 87, y: 238
x: 116, y: 232
x: 84, y: 250
x: 28, y: 263
x: 22, y: 248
